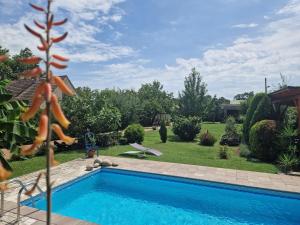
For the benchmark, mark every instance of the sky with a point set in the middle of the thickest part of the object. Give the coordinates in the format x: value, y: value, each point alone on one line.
x: 234, y: 44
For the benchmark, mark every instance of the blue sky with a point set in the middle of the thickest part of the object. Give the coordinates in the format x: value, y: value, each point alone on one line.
x: 124, y: 43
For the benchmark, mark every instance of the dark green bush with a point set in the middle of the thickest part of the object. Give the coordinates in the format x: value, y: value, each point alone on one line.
x: 123, y: 141
x: 264, y: 140
x: 163, y: 132
x: 250, y: 111
x: 231, y: 136
x: 223, y: 152
x: 207, y: 139
x: 134, y: 133
x: 187, y: 128
x: 108, y: 139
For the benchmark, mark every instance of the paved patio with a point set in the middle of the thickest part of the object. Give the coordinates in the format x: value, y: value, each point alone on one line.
x: 76, y: 168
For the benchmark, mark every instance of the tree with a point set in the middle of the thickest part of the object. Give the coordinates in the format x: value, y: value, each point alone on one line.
x: 244, y: 96
x: 214, y: 109
x: 249, y: 115
x: 12, y: 67
x: 193, y: 100
x: 154, y: 100
x: 108, y: 119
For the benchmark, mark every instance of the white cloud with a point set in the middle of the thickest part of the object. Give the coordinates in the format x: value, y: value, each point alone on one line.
x: 245, y: 25
x: 236, y: 68
x: 83, y: 26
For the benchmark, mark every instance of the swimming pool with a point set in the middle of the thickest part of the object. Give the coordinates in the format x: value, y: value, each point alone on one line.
x: 119, y: 197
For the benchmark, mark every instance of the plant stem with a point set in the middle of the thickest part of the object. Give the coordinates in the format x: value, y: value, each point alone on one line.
x: 48, y: 111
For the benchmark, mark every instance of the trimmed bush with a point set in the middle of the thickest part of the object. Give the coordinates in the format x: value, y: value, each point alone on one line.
x: 134, y: 133
x: 163, y: 132
x: 207, y: 139
x: 231, y: 136
x: 187, y: 128
x: 263, y: 140
x: 108, y: 139
x: 250, y: 111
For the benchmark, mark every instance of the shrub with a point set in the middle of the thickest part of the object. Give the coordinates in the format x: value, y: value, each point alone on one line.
x: 287, y: 162
x: 108, y: 139
x: 123, y: 141
x: 244, y: 151
x: 186, y: 128
x: 223, y: 152
x: 290, y: 118
x: 263, y: 143
x: 207, y: 139
x: 108, y: 119
x: 134, y: 133
x: 231, y: 136
x: 163, y: 132
x: 250, y: 111
x: 263, y: 111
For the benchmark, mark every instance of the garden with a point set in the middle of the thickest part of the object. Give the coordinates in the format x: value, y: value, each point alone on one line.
x: 191, y: 128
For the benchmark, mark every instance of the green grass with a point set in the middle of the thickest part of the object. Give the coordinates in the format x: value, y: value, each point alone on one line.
x: 37, y: 163
x: 173, y: 151
x: 193, y: 153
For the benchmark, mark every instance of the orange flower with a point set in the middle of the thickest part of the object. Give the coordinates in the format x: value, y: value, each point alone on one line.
x: 3, y: 187
x: 33, y: 32
x: 53, y: 162
x: 38, y: 8
x: 3, y: 58
x: 29, y: 149
x: 58, y: 113
x: 61, y: 22
x: 62, y: 86
x: 61, y: 58
x: 36, y: 103
x: 57, y: 65
x: 41, y: 48
x: 42, y: 130
x: 39, y: 25
x: 32, y: 73
x: 30, y: 60
x: 60, y: 38
x: 4, y: 174
x: 57, y: 129
x: 48, y: 91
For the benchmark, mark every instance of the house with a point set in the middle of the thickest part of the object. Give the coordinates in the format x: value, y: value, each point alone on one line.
x: 23, y: 89
x: 232, y: 109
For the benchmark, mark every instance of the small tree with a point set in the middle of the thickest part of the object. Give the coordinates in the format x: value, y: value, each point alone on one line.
x: 163, y: 132
x: 193, y: 100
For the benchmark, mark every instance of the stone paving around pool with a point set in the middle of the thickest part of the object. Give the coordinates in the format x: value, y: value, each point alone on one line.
x: 76, y: 168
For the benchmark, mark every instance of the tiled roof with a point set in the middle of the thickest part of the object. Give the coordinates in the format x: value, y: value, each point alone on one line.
x: 23, y: 89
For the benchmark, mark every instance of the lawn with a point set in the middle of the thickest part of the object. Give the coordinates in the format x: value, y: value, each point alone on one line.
x: 173, y: 151
x: 193, y: 153
x: 39, y: 162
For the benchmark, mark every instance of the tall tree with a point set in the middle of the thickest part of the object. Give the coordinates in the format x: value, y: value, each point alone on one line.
x: 193, y: 100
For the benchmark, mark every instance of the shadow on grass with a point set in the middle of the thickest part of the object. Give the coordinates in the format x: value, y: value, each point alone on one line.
x: 175, y: 138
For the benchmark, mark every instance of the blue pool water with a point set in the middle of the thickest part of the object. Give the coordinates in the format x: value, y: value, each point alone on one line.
x: 114, y: 197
